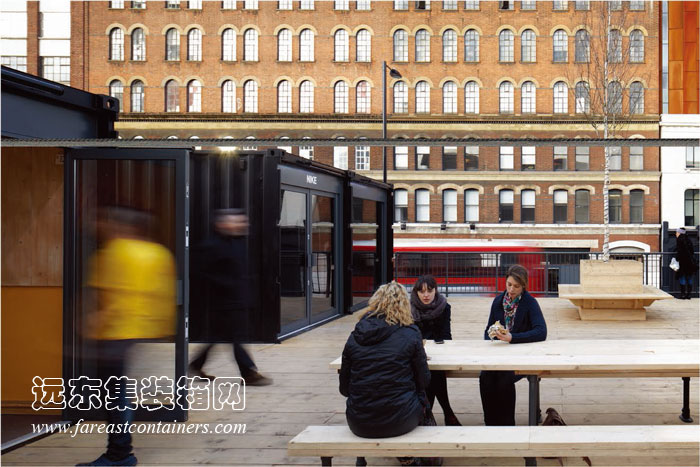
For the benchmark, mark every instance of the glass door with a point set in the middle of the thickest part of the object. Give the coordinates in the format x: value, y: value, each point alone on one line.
x: 294, y: 260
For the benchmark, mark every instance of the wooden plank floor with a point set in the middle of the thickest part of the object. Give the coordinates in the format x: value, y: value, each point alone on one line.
x: 306, y: 393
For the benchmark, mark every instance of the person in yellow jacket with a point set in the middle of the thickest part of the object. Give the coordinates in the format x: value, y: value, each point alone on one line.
x: 134, y: 278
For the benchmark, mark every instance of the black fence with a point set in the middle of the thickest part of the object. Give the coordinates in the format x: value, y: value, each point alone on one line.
x: 484, y: 272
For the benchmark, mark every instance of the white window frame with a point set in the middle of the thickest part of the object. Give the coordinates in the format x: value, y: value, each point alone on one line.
x: 306, y: 46
x: 471, y: 97
x: 284, y: 45
x: 341, y: 97
x: 422, y: 97
x: 306, y: 97
x: 449, y: 97
x: 250, y: 96
x: 363, y: 97
x: 363, y: 46
x: 284, y: 97
x: 341, y: 46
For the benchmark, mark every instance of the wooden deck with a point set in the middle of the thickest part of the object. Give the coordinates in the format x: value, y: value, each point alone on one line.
x: 306, y: 393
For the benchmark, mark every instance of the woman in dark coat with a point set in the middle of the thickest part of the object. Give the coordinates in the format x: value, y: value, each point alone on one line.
x: 686, y: 260
x: 432, y: 315
x: 521, y: 316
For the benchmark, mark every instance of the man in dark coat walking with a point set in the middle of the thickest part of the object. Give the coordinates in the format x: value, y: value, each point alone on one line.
x: 687, y: 265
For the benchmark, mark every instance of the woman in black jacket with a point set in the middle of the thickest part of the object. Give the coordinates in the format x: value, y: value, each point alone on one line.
x: 432, y: 315
x: 521, y: 316
x: 686, y: 260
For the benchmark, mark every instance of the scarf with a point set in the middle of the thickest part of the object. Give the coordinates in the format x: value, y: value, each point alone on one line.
x: 509, y: 309
x: 423, y: 312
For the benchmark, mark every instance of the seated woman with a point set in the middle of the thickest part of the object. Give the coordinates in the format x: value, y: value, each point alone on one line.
x: 521, y: 316
x: 432, y: 313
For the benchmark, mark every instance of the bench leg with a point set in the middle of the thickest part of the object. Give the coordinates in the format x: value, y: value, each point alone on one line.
x: 326, y: 461
x: 361, y: 461
x: 534, y: 408
x: 685, y: 412
x: 530, y: 461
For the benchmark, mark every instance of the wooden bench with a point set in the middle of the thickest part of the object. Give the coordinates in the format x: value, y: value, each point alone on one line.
x: 328, y: 441
x: 611, y: 306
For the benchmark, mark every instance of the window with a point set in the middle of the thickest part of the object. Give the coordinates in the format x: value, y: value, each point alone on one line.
x: 172, y: 44
x: 250, y: 4
x: 306, y: 5
x: 560, y: 158
x: 194, y: 4
x: 341, y: 46
x: 284, y: 45
x: 116, y: 44
x: 172, y: 96
x: 692, y: 158
x: 137, y: 96
x: 228, y: 4
x: 527, y: 206
x: 364, y: 46
x: 636, y: 206
x: 449, y: 205
x: 636, y: 158
x: 505, y: 206
x: 582, y: 5
x: 449, y: 97
x: 250, y: 96
x: 527, y: 158
x: 615, y: 46
x: 561, y: 46
x: 506, y: 157
x: 340, y: 157
x: 615, y: 4
x: 422, y: 97
x: 116, y: 4
x: 449, y: 158
x: 582, y: 201
x: 615, y: 206
x: 228, y: 45
x: 471, y: 158
x: 400, y: 46
x: 528, y: 98
x: 471, y: 205
x: 505, y: 98
x: 361, y: 157
x: 340, y: 97
x: 449, y: 46
x: 364, y: 5
x: 505, y: 46
x: 506, y: 5
x: 471, y: 46
x: 138, y: 45
x: 422, y: 157
x: 692, y: 207
x: 422, y: 46
x: 307, y: 152
x: 471, y: 98
x: 400, y: 4
x: 172, y: 4
x: 560, y: 5
x: 341, y: 5
x: 284, y: 5
x: 306, y: 97
x: 561, y: 201
x: 400, y: 205
x: 194, y: 45
x: 363, y: 97
x: 582, y: 158
x: 16, y: 62
x: 194, y: 96
x: 471, y: 4
x: 116, y: 90
x: 138, y: 4
x: 637, y: 5
x: 245, y: 148
x: 306, y: 46
x: 422, y: 205
x: 250, y: 45
x: 56, y: 69
x: 449, y: 4
x: 636, y: 98
x: 528, y: 5
x: 561, y: 98
x: 636, y: 46
x: 284, y: 97
x: 228, y: 97
x: 615, y: 153
x: 615, y: 97
x: 400, y: 97
x: 528, y: 46
x: 423, y: 5
x: 400, y: 157
x: 582, y: 46
x: 583, y: 98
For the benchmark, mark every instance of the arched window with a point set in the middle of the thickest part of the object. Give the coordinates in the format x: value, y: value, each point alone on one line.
x: 449, y: 205
x: 172, y: 96
x: 306, y: 46
x: 505, y: 98
x: 561, y: 204
x: 250, y: 96
x: 561, y: 98
x: 400, y: 97
x: 636, y: 46
x: 422, y: 46
x: 116, y: 44
x: 306, y: 97
x: 228, y: 45
x: 341, y: 46
x: 340, y: 97
x: 560, y: 46
x: 615, y: 97
x: 505, y: 46
x: 582, y: 46
x: 582, y: 202
x: 400, y: 205
x: 138, y: 45
x: 194, y: 96
x: 471, y: 205
x: 636, y: 98
x: 400, y: 46
x: 284, y: 45
x: 449, y: 97
x: 471, y: 46
x: 116, y: 90
x: 528, y: 46
x: 583, y: 98
x: 363, y: 97
x: 363, y: 52
x: 137, y: 96
x: 528, y: 98
x: 615, y: 46
x: 172, y: 44
x: 422, y: 205
x: 228, y: 97
x: 194, y: 45
x: 422, y: 97
x: 284, y: 97
x: 449, y: 46
x: 615, y: 206
x: 505, y: 206
x: 250, y: 45
x: 471, y: 97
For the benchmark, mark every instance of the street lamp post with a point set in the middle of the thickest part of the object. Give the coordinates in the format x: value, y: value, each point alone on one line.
x: 394, y: 74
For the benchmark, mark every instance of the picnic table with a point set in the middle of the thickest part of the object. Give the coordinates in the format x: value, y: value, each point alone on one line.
x: 612, y: 306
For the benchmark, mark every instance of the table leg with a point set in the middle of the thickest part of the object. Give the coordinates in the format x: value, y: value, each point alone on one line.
x: 685, y: 412
x: 534, y: 403
x: 361, y: 461
x: 326, y: 461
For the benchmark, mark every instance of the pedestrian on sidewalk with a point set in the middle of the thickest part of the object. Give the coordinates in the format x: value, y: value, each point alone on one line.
x: 687, y: 264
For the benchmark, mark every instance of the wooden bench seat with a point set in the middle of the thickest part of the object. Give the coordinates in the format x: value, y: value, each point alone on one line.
x: 613, y: 305
x: 498, y: 441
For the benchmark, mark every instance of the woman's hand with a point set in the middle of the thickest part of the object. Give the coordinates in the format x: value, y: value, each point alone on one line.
x: 504, y: 337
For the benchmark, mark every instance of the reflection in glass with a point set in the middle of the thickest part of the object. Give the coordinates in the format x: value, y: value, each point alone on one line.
x: 322, y: 251
x: 293, y: 258
x: 365, y: 255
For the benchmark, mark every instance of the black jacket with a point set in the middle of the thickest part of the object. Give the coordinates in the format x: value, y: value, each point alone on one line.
x: 529, y: 324
x: 438, y: 328
x: 384, y: 375
x: 685, y: 256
